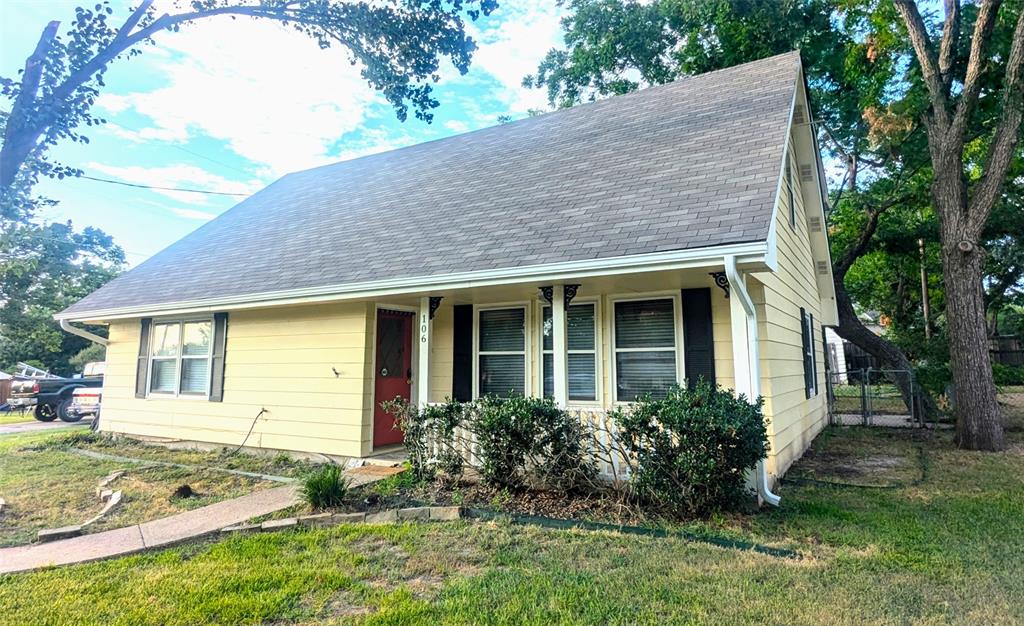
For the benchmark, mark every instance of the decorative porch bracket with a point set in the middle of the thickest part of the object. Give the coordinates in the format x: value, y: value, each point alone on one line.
x: 569, y: 293
x: 721, y: 281
x: 435, y: 302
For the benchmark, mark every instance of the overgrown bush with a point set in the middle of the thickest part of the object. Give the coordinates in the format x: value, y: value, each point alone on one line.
x: 1007, y: 375
x: 518, y: 440
x: 691, y: 450
x: 522, y: 438
x: 429, y: 436
x: 324, y: 487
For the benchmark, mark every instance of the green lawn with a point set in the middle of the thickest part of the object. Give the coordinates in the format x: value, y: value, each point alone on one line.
x: 16, y: 417
x: 46, y: 486
x: 941, y: 548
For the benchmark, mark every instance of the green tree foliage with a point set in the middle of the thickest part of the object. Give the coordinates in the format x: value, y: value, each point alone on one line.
x: 44, y: 269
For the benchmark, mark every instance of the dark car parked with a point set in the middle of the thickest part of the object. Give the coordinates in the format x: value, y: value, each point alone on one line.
x: 52, y: 397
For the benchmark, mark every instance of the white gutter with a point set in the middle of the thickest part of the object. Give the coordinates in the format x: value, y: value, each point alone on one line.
x: 737, y: 283
x: 82, y: 333
x: 751, y: 252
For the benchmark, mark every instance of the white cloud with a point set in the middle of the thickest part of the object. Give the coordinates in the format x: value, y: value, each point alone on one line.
x: 185, y: 176
x: 270, y: 93
x: 515, y: 46
x: 193, y: 214
x: 456, y: 126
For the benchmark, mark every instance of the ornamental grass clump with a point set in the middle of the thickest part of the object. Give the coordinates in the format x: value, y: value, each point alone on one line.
x: 691, y: 451
x: 324, y: 488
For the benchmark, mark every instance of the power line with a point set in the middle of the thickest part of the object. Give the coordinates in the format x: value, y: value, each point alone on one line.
x: 139, y: 186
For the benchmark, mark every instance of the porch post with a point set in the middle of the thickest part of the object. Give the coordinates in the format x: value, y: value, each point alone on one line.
x: 740, y: 348
x: 425, y: 327
x: 559, y: 345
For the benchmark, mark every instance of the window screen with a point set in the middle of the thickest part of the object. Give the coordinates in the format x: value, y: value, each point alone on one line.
x: 582, y: 352
x: 645, y: 348
x: 502, y: 352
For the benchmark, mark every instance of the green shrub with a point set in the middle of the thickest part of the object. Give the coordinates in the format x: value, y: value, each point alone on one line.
x: 518, y: 439
x: 529, y: 438
x: 691, y: 450
x: 324, y: 488
x: 429, y: 436
x: 1007, y: 375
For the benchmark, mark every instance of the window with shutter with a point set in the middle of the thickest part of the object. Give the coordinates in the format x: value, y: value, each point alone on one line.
x: 644, y: 337
x: 581, y: 349
x: 179, y: 357
x: 501, y: 353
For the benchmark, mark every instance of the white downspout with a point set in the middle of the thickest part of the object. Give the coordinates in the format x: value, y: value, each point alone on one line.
x: 82, y: 333
x: 738, y: 286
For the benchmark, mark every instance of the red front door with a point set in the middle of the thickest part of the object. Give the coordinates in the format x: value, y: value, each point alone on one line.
x: 393, y: 378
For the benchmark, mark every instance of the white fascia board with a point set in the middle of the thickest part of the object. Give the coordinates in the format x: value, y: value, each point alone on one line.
x: 751, y: 253
x: 772, y: 255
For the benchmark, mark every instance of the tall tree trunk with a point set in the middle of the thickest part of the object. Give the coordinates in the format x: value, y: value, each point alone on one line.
x: 979, y: 424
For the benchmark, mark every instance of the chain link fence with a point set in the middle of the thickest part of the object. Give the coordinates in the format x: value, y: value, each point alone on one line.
x: 871, y: 397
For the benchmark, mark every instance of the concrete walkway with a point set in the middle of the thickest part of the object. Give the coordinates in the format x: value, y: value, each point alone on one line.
x: 34, y: 425
x: 168, y: 531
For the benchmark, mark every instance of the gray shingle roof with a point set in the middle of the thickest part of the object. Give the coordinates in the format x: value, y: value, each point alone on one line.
x: 689, y: 164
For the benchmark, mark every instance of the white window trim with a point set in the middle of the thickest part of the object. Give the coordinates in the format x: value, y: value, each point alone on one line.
x: 178, y: 358
x: 527, y: 351
x: 677, y: 310
x: 598, y: 380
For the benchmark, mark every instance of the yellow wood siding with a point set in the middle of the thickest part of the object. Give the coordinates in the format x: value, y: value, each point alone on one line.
x: 280, y: 359
x: 794, y: 419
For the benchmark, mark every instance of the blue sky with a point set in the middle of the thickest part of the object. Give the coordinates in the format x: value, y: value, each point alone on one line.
x: 232, y: 105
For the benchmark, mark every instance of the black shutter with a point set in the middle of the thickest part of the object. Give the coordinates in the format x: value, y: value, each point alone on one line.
x: 698, y: 340
x: 462, y: 362
x: 142, y: 367
x: 806, y: 341
x: 220, y: 340
x: 814, y: 352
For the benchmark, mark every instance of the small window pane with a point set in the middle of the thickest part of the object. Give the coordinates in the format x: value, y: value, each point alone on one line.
x: 391, y: 347
x: 638, y: 373
x: 165, y: 339
x: 194, y: 375
x: 548, y: 330
x: 197, y: 339
x: 549, y: 376
x: 645, y: 324
x: 503, y: 330
x: 581, y: 327
x: 582, y: 375
x: 503, y: 374
x: 164, y: 375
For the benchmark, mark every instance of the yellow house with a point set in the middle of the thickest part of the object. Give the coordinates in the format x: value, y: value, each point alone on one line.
x: 590, y: 255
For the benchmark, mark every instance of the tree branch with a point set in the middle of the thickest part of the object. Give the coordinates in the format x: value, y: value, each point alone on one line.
x: 1007, y: 135
x: 950, y: 38
x: 19, y: 118
x: 132, y: 20
x: 926, y: 59
x: 975, y: 69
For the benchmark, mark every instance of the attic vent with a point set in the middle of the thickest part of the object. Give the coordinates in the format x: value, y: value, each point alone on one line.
x: 822, y: 267
x: 806, y: 173
x: 799, y: 114
x: 814, y: 223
